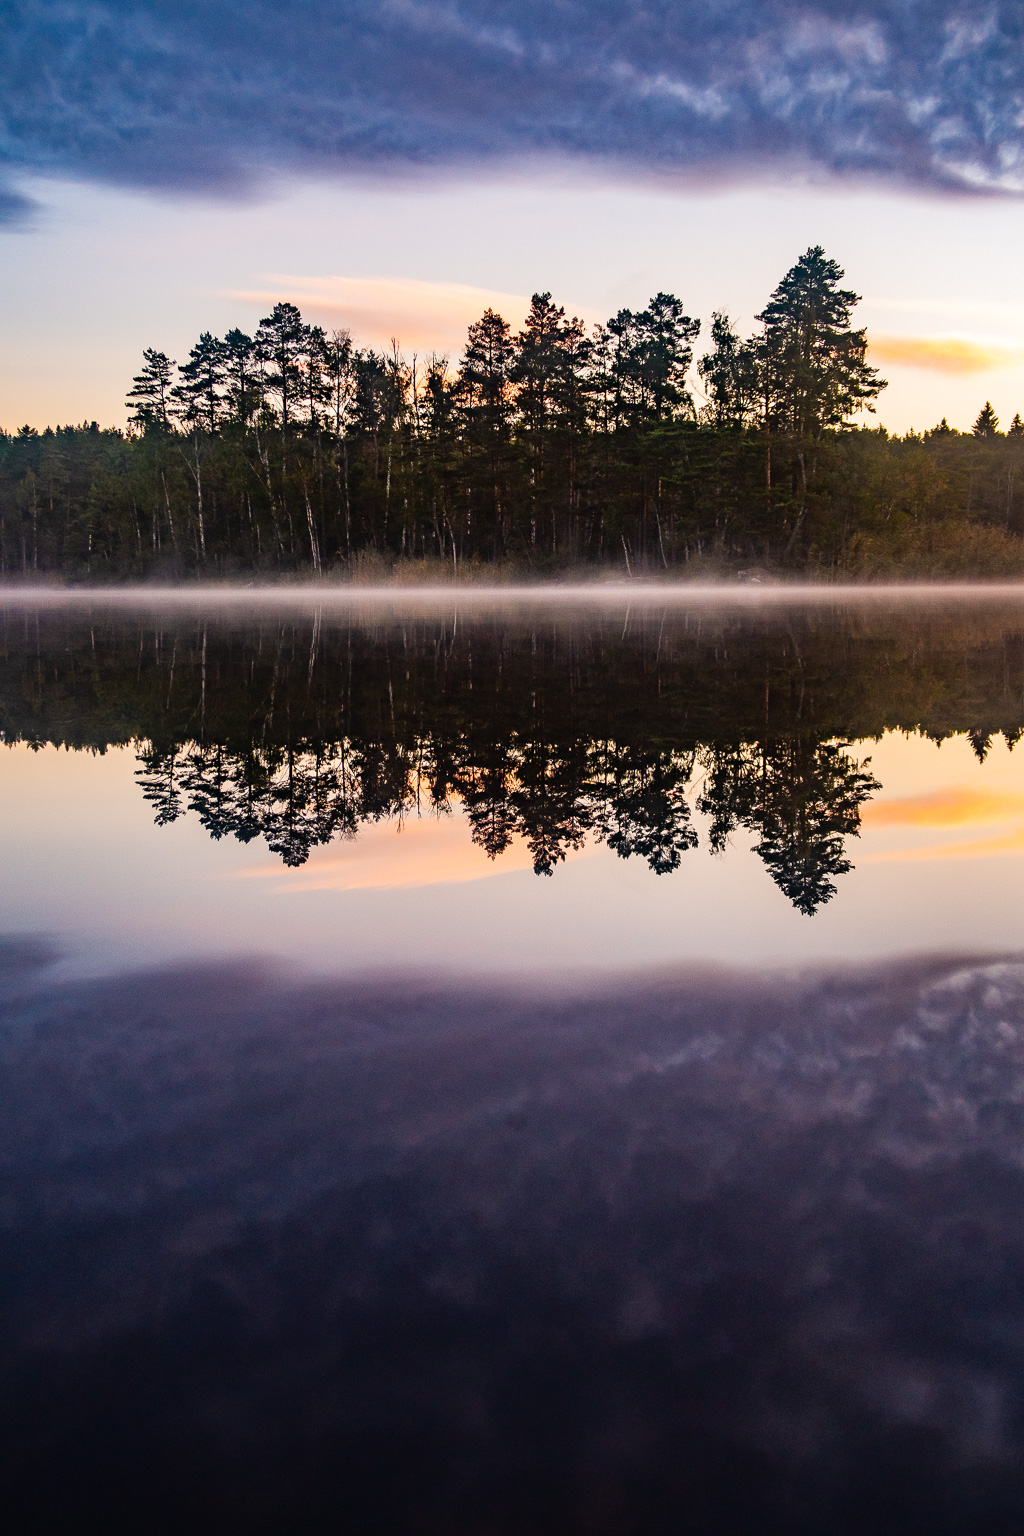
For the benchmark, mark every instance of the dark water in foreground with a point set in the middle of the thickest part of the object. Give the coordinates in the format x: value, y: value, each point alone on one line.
x: 721, y: 1232
x: 690, y: 1255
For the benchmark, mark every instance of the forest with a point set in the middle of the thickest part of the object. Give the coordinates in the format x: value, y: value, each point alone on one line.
x: 294, y: 453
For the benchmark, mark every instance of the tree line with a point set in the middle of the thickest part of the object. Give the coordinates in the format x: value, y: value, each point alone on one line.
x: 294, y: 450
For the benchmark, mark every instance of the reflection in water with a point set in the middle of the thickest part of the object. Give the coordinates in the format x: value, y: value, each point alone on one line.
x: 687, y: 1255
x: 551, y: 727
x: 701, y: 1253
x: 799, y: 799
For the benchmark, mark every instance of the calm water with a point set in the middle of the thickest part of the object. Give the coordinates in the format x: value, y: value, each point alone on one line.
x: 478, y: 1065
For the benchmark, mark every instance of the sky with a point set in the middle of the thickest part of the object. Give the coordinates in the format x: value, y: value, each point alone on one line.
x: 168, y: 167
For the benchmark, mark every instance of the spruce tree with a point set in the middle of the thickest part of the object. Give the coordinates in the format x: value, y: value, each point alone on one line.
x: 987, y: 422
x: 485, y: 409
x: 550, y: 374
x: 484, y: 388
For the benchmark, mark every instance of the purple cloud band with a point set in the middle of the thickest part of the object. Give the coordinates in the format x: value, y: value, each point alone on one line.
x: 210, y: 95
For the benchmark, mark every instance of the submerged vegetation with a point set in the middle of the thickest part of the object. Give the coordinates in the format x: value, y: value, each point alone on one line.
x: 553, y: 727
x: 294, y: 451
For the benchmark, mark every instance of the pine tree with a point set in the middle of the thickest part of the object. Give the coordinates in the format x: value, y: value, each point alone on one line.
x: 649, y: 354
x: 314, y: 382
x: 730, y: 375
x: 197, y: 394
x: 149, y: 398
x: 280, y: 339
x: 1016, y: 428
x: 551, y: 353
x: 239, y: 376
x: 812, y: 362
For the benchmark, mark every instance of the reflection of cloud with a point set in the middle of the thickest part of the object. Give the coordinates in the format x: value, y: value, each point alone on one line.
x: 422, y: 1243
x: 981, y: 848
x: 944, y: 354
x: 427, y: 850
x: 957, y: 806
x: 426, y: 316
x: 954, y: 807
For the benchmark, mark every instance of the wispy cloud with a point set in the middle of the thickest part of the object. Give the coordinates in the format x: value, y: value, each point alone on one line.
x: 945, y: 354
x: 956, y: 806
x: 424, y: 316
x: 214, y: 98
x: 1008, y: 843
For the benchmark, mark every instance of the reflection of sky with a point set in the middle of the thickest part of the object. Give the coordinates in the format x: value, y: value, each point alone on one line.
x: 730, y: 1243
x: 419, y: 850
x: 83, y: 860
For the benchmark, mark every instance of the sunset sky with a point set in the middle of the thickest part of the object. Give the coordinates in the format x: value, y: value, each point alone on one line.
x: 396, y: 167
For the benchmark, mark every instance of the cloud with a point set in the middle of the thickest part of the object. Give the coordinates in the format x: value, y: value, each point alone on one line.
x: 954, y: 807
x: 14, y: 208
x: 424, y: 316
x: 214, y: 99
x: 945, y: 354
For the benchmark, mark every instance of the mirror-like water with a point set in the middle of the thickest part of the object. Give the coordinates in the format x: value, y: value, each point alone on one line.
x: 402, y: 1239
x: 381, y: 782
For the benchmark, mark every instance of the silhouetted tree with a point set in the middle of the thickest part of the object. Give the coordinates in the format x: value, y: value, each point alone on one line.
x: 149, y: 398
x: 987, y: 422
x: 812, y: 362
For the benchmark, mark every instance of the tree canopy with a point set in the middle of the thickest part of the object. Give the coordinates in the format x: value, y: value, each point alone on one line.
x: 293, y: 448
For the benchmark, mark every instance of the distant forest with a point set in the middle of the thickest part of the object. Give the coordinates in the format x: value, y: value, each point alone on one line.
x: 293, y: 451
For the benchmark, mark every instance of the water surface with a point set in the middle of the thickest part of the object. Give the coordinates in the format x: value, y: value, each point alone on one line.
x: 478, y: 1064
x: 485, y: 784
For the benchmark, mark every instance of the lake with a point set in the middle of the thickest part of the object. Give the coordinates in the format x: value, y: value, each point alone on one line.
x: 513, y: 1062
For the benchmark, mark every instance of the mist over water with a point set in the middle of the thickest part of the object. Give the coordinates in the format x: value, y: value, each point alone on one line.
x: 384, y: 1257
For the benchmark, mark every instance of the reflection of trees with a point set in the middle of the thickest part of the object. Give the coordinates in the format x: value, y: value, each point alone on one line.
x: 645, y: 810
x: 549, y: 727
x: 801, y: 798
x: 294, y: 798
